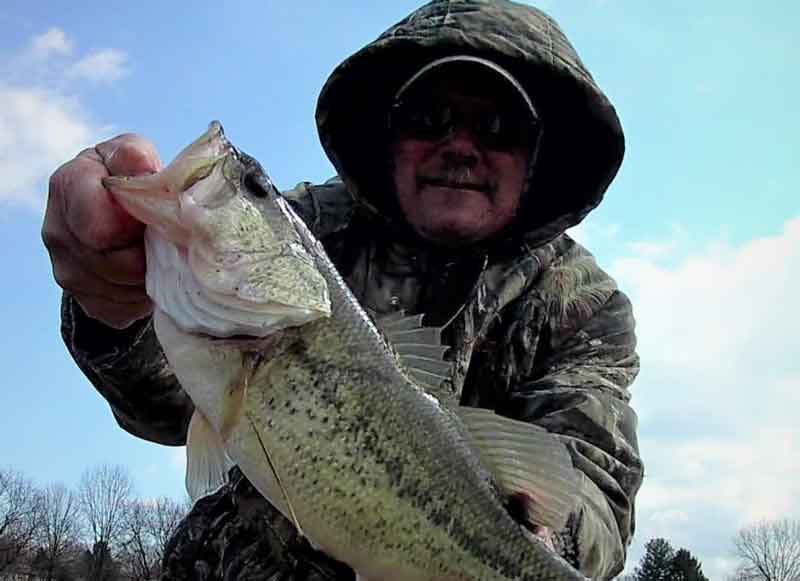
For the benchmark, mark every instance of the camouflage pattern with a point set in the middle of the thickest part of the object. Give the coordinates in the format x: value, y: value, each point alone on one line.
x: 538, y: 331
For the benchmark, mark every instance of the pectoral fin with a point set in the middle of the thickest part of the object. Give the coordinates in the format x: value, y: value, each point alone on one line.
x: 207, y: 464
x: 531, y: 466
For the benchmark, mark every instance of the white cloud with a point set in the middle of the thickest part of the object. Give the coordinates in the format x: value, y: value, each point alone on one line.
x: 43, y: 121
x: 105, y: 66
x: 588, y: 231
x: 39, y: 129
x: 653, y: 250
x: 669, y: 516
x: 719, y: 389
x: 52, y: 42
x: 660, y: 250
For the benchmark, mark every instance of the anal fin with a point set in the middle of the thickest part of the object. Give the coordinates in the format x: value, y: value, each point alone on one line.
x: 532, y: 467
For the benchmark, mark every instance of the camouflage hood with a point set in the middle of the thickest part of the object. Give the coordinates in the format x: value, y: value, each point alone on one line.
x: 582, y: 143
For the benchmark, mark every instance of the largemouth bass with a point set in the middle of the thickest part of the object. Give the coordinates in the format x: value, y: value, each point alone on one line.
x: 341, y: 423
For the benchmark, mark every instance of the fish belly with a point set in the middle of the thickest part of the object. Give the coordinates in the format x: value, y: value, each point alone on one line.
x: 372, y: 471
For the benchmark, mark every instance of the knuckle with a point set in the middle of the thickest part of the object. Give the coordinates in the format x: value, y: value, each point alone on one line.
x: 57, y: 244
x: 68, y: 278
x: 129, y: 152
x: 57, y: 180
x: 51, y: 237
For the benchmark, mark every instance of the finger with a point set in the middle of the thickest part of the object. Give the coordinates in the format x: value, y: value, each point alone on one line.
x: 74, y: 279
x: 126, y: 265
x: 123, y: 266
x: 90, y: 212
x: 129, y: 155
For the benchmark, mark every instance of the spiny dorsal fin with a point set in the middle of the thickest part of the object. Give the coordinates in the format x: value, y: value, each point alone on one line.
x: 399, y: 321
x: 207, y: 464
x: 418, y: 348
x: 529, y: 464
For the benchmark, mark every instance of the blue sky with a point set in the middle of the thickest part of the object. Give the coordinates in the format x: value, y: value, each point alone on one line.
x: 701, y: 227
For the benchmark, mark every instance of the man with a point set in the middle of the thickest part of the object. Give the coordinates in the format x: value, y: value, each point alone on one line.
x: 466, y: 138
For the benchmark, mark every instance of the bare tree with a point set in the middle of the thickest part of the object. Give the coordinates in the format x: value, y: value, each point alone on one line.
x: 104, y: 494
x: 139, y: 555
x: 770, y: 550
x: 59, y: 526
x: 741, y: 574
x: 166, y: 516
x: 20, y: 505
x: 149, y: 526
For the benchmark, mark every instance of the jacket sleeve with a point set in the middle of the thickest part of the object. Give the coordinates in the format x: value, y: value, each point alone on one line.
x: 128, y: 367
x: 130, y: 371
x: 578, y: 390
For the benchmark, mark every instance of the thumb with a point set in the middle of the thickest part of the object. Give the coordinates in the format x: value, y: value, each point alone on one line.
x: 129, y: 154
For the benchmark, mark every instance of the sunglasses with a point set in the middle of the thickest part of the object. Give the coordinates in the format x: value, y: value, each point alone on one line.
x: 432, y: 121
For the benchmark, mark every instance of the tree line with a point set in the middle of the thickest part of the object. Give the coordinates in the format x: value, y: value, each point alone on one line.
x: 101, y: 531
x: 661, y: 562
x: 766, y: 551
x: 98, y: 531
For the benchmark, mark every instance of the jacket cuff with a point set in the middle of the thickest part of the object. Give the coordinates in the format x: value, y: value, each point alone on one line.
x: 94, y: 342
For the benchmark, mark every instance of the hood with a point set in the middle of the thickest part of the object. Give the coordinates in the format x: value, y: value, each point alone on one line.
x: 582, y: 143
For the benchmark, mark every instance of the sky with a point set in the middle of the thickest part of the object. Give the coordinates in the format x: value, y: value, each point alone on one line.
x: 701, y: 228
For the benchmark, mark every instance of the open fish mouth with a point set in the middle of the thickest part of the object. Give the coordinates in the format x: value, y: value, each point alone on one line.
x: 222, y: 259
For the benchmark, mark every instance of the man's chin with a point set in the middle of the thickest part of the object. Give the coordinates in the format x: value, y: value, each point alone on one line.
x: 449, y: 235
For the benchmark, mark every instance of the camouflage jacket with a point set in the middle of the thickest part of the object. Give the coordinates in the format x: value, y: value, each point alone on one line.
x: 538, y: 331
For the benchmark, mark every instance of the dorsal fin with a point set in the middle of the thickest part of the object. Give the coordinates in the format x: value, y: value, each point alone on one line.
x: 418, y: 348
x: 399, y: 321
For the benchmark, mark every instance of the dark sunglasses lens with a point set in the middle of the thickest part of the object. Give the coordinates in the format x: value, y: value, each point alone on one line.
x: 431, y: 122
x: 503, y: 132
x: 426, y: 123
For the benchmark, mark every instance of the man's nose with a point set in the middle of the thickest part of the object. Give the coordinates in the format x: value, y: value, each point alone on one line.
x: 461, y: 145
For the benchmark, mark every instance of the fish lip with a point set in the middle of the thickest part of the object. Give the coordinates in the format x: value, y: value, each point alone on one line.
x: 444, y: 183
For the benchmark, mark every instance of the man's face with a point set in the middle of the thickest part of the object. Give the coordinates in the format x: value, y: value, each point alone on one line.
x: 464, y: 185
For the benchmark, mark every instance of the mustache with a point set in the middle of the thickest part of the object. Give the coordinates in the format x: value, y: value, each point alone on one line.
x: 462, y: 177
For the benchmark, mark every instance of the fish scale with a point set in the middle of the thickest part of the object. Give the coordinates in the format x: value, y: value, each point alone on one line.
x: 330, y: 422
x: 425, y: 505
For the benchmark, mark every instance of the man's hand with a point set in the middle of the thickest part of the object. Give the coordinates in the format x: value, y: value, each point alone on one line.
x: 97, y: 249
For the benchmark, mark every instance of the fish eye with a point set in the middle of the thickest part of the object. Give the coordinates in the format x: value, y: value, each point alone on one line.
x: 258, y: 183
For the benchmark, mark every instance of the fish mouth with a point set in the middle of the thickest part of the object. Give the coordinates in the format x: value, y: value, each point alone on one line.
x: 454, y: 185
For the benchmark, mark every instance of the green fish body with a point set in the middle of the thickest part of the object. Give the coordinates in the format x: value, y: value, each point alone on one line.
x: 341, y: 424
